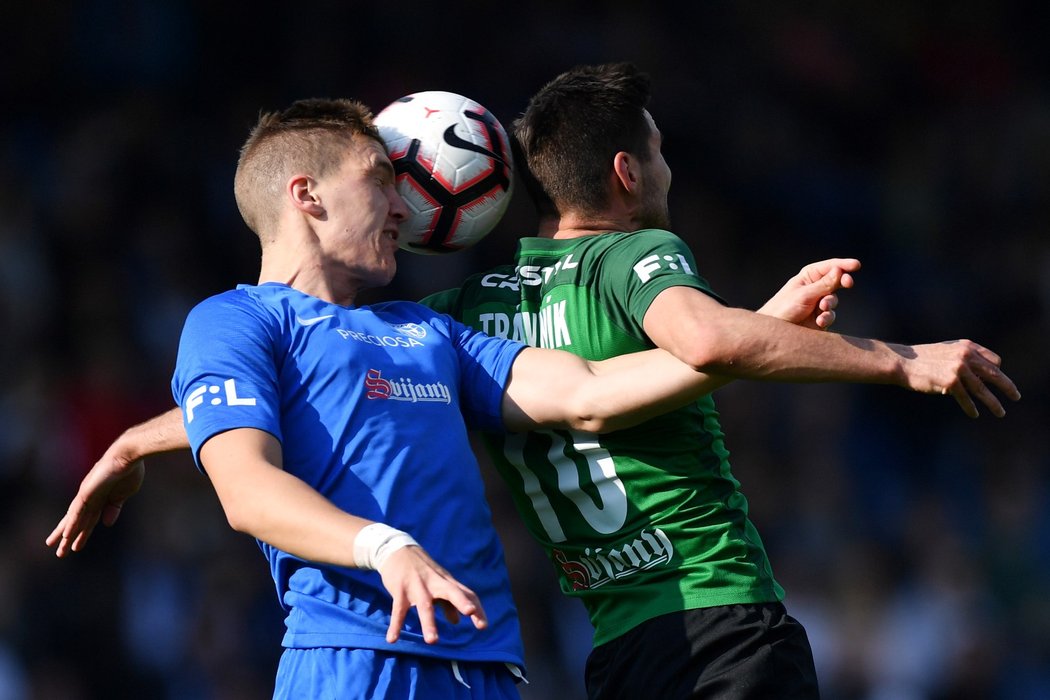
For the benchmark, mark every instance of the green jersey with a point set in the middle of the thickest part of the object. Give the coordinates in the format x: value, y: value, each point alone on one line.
x: 639, y: 522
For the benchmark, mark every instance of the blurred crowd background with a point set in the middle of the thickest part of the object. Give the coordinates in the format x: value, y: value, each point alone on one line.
x: 913, y: 542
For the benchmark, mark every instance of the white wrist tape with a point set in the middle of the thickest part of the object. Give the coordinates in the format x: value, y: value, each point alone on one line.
x: 376, y: 542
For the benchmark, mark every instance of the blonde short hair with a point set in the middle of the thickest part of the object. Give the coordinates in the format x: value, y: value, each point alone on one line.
x: 309, y: 136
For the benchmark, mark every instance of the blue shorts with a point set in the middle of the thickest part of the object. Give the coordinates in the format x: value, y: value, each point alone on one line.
x: 366, y: 674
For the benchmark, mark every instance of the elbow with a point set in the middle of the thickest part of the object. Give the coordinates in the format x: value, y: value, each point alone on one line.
x: 701, y: 359
x: 727, y: 358
x: 590, y: 424
x: 589, y: 417
x: 237, y: 522
x: 239, y: 517
x: 702, y: 351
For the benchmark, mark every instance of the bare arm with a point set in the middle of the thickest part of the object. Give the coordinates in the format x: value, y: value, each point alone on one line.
x: 553, y: 388
x: 713, y: 338
x: 114, y: 478
x: 262, y: 500
x: 548, y: 388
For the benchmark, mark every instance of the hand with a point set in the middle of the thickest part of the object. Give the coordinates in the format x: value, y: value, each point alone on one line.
x: 809, y: 298
x: 961, y: 368
x: 416, y: 580
x: 112, y: 481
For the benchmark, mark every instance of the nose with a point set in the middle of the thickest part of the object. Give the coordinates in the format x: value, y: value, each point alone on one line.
x: 398, y: 208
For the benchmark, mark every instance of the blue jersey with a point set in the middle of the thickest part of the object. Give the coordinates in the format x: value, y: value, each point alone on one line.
x: 369, y: 405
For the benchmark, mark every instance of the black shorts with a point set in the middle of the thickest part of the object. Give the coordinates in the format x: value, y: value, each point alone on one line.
x: 730, y: 652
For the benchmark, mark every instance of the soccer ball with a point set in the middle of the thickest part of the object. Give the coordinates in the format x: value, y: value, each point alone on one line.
x: 454, y: 169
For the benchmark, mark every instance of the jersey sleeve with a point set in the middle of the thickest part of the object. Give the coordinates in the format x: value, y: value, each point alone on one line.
x: 485, y: 364
x: 645, y: 264
x: 226, y: 373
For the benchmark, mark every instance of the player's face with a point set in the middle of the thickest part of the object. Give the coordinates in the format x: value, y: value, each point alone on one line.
x: 364, y: 212
x: 656, y: 182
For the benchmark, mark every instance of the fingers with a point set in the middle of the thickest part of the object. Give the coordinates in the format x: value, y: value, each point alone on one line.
x: 397, y: 618
x: 101, y: 496
x: 825, y: 320
x: 826, y: 311
x: 834, y: 280
x: 72, y: 530
x: 981, y: 378
x: 962, y: 397
x: 111, y: 512
x: 840, y: 267
x: 415, y: 580
x: 977, y: 374
x: 452, y: 598
x: 449, y: 611
x: 56, y: 535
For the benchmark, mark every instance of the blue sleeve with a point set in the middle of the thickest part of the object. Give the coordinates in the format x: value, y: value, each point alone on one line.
x: 226, y: 371
x: 485, y: 364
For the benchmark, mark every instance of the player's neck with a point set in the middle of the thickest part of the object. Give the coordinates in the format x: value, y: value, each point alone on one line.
x: 309, y: 277
x: 576, y: 226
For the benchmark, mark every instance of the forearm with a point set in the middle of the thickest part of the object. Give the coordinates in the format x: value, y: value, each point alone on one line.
x: 747, y: 345
x: 283, y: 511
x: 629, y: 389
x: 556, y: 389
x: 772, y: 349
x: 262, y: 500
x: 744, y: 344
x: 162, y: 433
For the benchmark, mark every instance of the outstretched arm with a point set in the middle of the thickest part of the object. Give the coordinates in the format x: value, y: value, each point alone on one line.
x: 550, y: 388
x: 710, y: 337
x: 556, y: 389
x: 114, y: 478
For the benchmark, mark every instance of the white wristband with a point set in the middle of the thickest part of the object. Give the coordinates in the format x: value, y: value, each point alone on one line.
x: 376, y: 542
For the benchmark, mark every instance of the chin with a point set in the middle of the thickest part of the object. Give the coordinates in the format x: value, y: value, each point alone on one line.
x: 389, y: 277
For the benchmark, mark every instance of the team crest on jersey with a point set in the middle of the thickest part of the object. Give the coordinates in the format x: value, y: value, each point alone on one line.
x: 597, y: 566
x: 412, y: 330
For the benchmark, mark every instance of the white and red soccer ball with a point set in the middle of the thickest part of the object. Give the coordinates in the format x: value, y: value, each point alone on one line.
x: 454, y: 169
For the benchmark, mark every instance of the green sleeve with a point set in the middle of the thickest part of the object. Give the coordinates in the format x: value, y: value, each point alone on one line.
x: 646, y: 263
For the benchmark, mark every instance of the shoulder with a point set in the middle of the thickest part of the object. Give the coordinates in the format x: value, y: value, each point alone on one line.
x: 479, y: 285
x: 238, y: 309
x: 411, y: 317
x: 653, y: 238
x: 622, y: 246
x: 490, y: 278
x: 408, y: 310
x: 223, y: 302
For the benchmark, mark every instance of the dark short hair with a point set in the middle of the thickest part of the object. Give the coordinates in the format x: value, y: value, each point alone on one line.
x: 574, y: 126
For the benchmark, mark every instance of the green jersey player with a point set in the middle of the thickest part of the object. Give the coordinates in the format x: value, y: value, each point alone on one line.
x: 638, y: 522
x: 648, y: 526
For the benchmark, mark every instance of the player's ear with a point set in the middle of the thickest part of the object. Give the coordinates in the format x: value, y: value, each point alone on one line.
x: 302, y: 191
x: 625, y: 171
